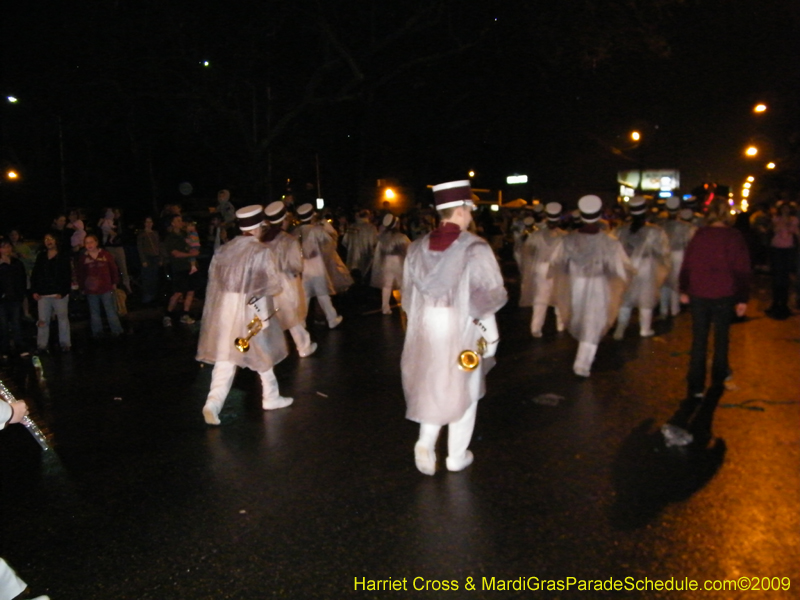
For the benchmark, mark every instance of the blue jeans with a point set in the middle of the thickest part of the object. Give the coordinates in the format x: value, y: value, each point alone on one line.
x: 717, y: 312
x: 96, y: 319
x: 48, y: 306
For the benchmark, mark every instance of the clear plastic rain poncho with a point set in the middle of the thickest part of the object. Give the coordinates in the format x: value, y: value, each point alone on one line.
x: 360, y: 239
x: 324, y: 273
x: 242, y: 269
x: 591, y: 272
x: 442, y: 293
x: 537, y: 253
x: 387, y: 264
x: 291, y: 302
x: 679, y: 233
x: 648, y: 249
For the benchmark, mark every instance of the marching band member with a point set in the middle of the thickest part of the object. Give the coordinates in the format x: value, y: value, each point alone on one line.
x: 360, y: 239
x: 324, y: 273
x: 291, y: 302
x: 592, y: 273
x: 242, y: 280
x: 679, y: 230
x: 452, y: 288
x: 387, y: 264
x: 537, y: 287
x: 647, y: 246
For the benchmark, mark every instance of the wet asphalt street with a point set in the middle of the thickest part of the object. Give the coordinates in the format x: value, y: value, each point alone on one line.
x: 139, y: 499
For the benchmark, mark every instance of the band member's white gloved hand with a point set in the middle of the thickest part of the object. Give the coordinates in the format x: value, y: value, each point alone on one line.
x: 491, y: 335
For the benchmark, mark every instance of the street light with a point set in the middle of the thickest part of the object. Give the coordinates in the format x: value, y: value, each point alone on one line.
x: 771, y: 165
x: 635, y: 136
x: 751, y: 151
x: 760, y: 108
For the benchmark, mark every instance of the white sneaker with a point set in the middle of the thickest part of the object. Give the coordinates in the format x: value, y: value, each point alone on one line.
x: 386, y: 311
x: 581, y: 372
x: 280, y: 402
x: 460, y: 464
x: 211, y: 414
x: 335, y: 323
x: 425, y: 458
x: 308, y: 351
x: 167, y: 321
x: 536, y: 334
x: 647, y: 333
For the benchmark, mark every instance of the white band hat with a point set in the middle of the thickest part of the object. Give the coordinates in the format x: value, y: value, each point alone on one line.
x: 453, y: 194
x: 250, y: 217
x: 590, y: 207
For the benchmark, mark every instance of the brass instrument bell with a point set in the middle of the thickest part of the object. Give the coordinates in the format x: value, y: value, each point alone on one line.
x: 469, y: 360
x: 253, y: 327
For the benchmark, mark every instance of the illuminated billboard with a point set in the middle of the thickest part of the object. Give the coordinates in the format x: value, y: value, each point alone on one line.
x: 652, y: 180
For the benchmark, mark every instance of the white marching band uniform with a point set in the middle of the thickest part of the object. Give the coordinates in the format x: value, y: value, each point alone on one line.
x: 291, y: 301
x: 242, y: 270
x: 324, y: 273
x: 537, y: 288
x: 443, y: 293
x: 649, y: 252
x: 679, y: 232
x: 592, y: 272
x: 387, y: 262
x: 360, y: 239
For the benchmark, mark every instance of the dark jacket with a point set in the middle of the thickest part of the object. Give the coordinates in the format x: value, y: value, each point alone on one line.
x: 51, y: 275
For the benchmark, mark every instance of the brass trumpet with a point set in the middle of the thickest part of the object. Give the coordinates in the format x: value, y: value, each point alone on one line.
x: 469, y: 360
x: 253, y: 327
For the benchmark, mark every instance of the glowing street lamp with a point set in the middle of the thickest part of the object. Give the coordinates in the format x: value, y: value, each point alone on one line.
x: 751, y: 179
x: 751, y: 151
x: 771, y: 165
x: 12, y: 175
x: 636, y: 136
x: 760, y: 108
x: 747, y: 185
x: 472, y: 173
x: 389, y: 194
x: 12, y: 99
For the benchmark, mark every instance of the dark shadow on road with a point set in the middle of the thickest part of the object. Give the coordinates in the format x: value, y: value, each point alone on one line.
x: 648, y: 476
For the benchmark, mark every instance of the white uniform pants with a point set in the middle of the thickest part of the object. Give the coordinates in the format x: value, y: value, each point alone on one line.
x: 301, y: 338
x: 222, y: 378
x: 459, y: 434
x: 645, y: 321
x: 584, y: 358
x: 326, y: 304
x: 539, y: 315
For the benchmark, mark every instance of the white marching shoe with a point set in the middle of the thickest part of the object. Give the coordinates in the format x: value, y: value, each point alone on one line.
x: 312, y: 347
x: 459, y: 464
x: 211, y: 414
x: 425, y: 458
x: 279, y: 402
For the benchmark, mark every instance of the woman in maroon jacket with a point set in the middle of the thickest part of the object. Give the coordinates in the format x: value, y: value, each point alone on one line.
x: 715, y: 281
x: 97, y: 276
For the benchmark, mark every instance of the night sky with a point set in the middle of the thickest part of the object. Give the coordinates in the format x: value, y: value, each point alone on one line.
x: 419, y: 92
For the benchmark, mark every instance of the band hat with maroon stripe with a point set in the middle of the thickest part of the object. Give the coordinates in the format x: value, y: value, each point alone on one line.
x: 590, y: 207
x: 553, y: 211
x: 389, y: 221
x: 538, y: 207
x: 673, y: 204
x: 453, y: 194
x: 275, y: 212
x: 686, y: 214
x: 250, y: 217
x: 637, y: 205
x: 305, y: 211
